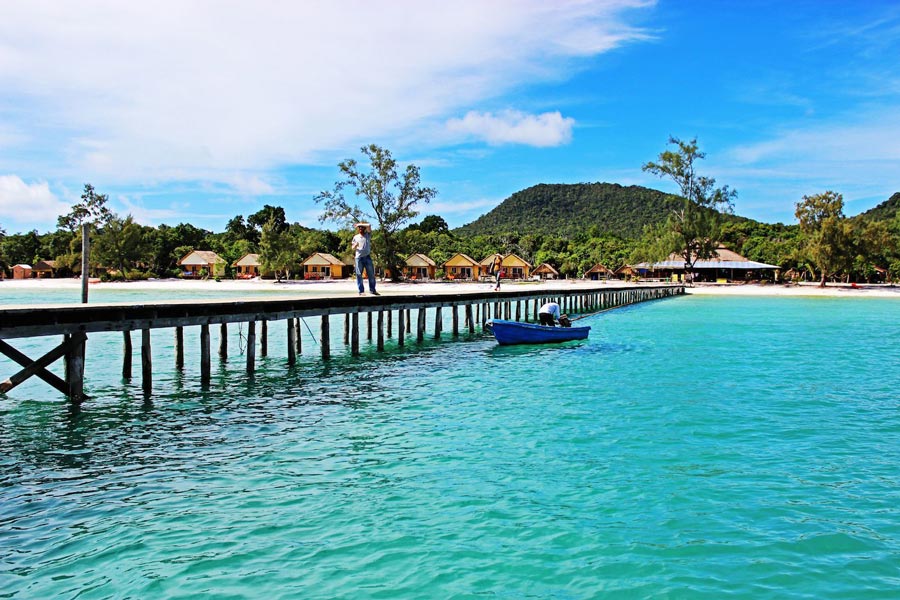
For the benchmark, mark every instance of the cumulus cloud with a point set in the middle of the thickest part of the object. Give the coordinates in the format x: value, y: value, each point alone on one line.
x: 514, y: 127
x: 26, y: 205
x: 176, y: 89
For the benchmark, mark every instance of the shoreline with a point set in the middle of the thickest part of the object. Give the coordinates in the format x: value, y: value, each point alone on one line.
x: 348, y: 287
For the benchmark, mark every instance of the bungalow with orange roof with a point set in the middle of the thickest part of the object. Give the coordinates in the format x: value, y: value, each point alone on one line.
x: 462, y: 267
x: 598, y: 272
x: 321, y: 265
x: 545, y: 271
x: 197, y: 263
x: 419, y: 267
x: 626, y: 272
x: 247, y: 266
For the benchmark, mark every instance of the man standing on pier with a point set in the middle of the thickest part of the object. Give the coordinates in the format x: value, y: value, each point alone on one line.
x: 362, y: 244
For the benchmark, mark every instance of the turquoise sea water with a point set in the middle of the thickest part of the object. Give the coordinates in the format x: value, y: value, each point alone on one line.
x: 696, y: 447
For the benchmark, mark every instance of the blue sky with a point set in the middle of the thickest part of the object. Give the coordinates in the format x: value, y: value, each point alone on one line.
x: 196, y: 111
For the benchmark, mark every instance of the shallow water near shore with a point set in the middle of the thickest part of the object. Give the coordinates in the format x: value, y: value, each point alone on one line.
x: 692, y: 447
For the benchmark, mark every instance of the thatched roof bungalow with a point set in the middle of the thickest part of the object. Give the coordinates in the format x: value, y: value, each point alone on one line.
x: 598, y: 272
x: 419, y: 267
x: 462, y: 266
x: 545, y: 271
x: 247, y: 266
x: 194, y: 263
x: 322, y: 265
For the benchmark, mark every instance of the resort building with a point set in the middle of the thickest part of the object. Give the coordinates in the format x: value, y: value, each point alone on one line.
x: 513, y: 266
x: 545, y: 271
x: 626, y: 272
x: 44, y: 268
x: 247, y: 266
x: 725, y: 267
x: 21, y: 271
x: 322, y: 265
x: 200, y: 263
x: 598, y: 272
x: 419, y: 267
x: 462, y: 266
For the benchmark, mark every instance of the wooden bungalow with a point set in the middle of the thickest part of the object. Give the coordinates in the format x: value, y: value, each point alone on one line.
x: 725, y: 267
x: 44, y: 268
x: 248, y: 266
x: 626, y: 272
x: 462, y: 266
x: 195, y: 263
x: 22, y: 271
x: 598, y: 272
x: 419, y: 267
x: 545, y: 271
x: 322, y: 265
x: 514, y: 267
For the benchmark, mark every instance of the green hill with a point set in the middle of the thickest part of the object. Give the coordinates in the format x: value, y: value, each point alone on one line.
x: 886, y: 211
x: 567, y: 209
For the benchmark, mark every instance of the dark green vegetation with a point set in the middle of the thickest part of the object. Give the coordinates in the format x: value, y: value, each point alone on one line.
x: 573, y: 227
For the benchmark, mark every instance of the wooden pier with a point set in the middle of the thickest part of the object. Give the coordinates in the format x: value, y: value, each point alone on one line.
x: 75, y: 322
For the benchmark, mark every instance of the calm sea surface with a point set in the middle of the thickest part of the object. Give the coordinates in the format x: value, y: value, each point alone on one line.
x: 697, y: 447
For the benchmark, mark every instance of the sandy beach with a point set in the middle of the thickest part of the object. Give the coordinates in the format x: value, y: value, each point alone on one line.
x: 348, y: 287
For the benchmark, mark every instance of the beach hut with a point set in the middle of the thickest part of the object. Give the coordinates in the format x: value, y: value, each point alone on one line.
x: 44, y: 268
x: 545, y: 271
x: 22, y: 271
x: 462, y: 266
x: 598, y: 272
x: 726, y: 266
x: 199, y: 263
x: 247, y: 266
x: 626, y: 272
x: 322, y: 265
x: 419, y: 267
x: 512, y: 265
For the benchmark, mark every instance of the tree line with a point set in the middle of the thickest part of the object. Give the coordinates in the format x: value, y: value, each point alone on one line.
x: 824, y: 246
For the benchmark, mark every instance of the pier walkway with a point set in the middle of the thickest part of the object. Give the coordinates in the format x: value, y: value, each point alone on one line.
x: 75, y: 322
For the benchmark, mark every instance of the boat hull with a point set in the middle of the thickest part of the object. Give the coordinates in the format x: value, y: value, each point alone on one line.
x: 514, y: 332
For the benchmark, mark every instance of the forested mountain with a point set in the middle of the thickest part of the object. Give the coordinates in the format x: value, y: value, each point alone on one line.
x: 886, y: 211
x: 570, y: 209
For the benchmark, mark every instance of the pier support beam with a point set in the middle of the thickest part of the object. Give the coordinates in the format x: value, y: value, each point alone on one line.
x: 146, y: 363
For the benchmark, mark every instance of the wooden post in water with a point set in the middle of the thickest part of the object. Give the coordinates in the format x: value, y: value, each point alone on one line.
x: 205, y: 362
x: 75, y: 367
x: 126, y: 355
x: 438, y: 322
x: 346, y: 328
x: 325, y: 342
x: 401, y: 327
x: 389, y: 324
x: 408, y: 321
x: 420, y: 330
x: 264, y: 339
x: 454, y: 313
x: 223, y: 342
x: 146, y: 363
x: 291, y: 342
x: 251, y: 347
x: 369, y: 326
x: 469, y: 319
x: 380, y: 338
x: 179, y: 348
x: 297, y: 336
x: 354, y: 333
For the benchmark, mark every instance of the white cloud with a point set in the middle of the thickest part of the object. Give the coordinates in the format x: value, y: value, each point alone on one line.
x: 514, y: 127
x: 27, y: 205
x: 179, y: 89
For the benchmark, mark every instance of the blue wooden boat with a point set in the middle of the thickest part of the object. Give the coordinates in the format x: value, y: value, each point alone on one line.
x: 514, y: 332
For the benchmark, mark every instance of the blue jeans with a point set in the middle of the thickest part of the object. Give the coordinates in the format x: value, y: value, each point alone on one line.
x: 365, y: 262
